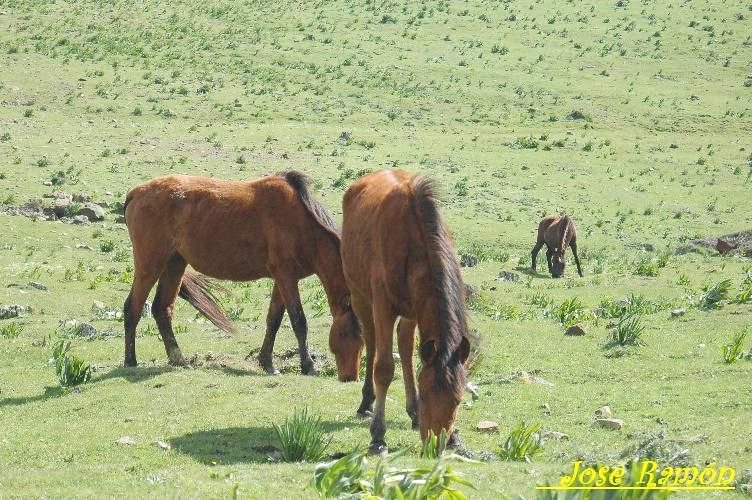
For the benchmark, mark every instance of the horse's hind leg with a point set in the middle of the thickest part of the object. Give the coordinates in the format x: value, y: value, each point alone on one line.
x: 288, y: 289
x: 362, y: 310
x: 164, y: 306
x: 534, y: 253
x: 573, y: 246
x: 143, y: 281
x: 273, y: 320
x: 406, y: 346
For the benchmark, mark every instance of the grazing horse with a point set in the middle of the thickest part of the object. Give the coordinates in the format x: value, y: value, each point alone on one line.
x: 399, y: 261
x: 557, y: 232
x: 241, y: 231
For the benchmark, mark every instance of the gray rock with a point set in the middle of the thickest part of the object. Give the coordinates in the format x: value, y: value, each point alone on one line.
x: 93, y: 211
x: 61, y: 207
x: 467, y: 260
x: 87, y: 330
x: 675, y: 313
x: 556, y: 436
x: 508, y: 276
x: 81, y: 198
x: 11, y: 311
x: 80, y: 219
x: 613, y: 424
x: 604, y: 412
x: 487, y: 426
x: 38, y: 286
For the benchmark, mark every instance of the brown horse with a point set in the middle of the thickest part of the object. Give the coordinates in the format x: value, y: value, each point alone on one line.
x: 399, y: 261
x: 557, y: 232
x: 240, y: 231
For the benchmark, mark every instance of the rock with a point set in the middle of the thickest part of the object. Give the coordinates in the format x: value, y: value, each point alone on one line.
x: 613, y: 424
x: 724, y: 246
x: 93, y: 211
x: 675, y: 313
x: 508, y: 276
x: 80, y: 219
x: 38, y: 286
x: 11, y: 311
x: 556, y: 436
x: 87, y: 330
x: 103, y: 204
x: 61, y: 207
x: 487, y: 426
x: 345, y: 136
x: 576, y: 330
x: 546, y: 409
x: 472, y: 389
x: 604, y: 412
x: 467, y: 260
x: 120, y: 219
x: 98, y: 304
x: 163, y: 445
x: 81, y: 198
x: 59, y: 195
x: 126, y: 441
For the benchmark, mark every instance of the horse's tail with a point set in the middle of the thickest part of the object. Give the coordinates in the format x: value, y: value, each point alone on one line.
x: 299, y: 182
x: 567, y: 230
x: 200, y: 292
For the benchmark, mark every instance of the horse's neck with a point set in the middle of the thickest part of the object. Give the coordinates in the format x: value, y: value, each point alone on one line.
x: 328, y: 265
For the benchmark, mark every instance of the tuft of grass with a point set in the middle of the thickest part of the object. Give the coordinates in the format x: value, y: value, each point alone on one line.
x: 733, y: 351
x: 646, y: 268
x: 523, y: 443
x: 628, y: 331
x: 712, y: 295
x: 744, y: 296
x: 302, y: 438
x: 11, y: 330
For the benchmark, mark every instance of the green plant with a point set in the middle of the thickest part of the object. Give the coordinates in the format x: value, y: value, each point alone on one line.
x: 712, y: 295
x: 434, y: 445
x: 11, y: 330
x: 628, y: 331
x: 733, y: 351
x: 744, y: 296
x: 646, y: 268
x: 71, y: 370
x: 523, y: 443
x: 569, y: 312
x: 350, y: 477
x: 301, y: 438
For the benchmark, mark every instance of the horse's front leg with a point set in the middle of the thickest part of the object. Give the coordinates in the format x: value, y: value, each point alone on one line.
x: 291, y: 297
x: 549, y: 256
x: 383, y: 371
x: 273, y: 320
x: 406, y: 346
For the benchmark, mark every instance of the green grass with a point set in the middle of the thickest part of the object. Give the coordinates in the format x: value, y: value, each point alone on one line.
x: 518, y: 109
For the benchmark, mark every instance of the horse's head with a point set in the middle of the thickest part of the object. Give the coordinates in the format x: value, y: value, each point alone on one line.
x: 441, y: 384
x: 558, y: 262
x: 346, y: 343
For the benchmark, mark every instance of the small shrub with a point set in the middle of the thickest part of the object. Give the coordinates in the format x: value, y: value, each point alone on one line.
x: 733, y: 351
x: 71, y: 370
x: 349, y: 477
x: 712, y: 296
x: 528, y: 142
x: 744, y: 296
x: 11, y: 330
x: 628, y: 331
x: 301, y: 438
x: 646, y: 268
x: 107, y: 246
x: 569, y: 312
x: 523, y: 443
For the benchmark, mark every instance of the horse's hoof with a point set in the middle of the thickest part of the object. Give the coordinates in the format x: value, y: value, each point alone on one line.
x: 272, y: 370
x: 378, y: 450
x: 455, y: 441
x: 364, y: 415
x: 416, y: 423
x: 309, y: 370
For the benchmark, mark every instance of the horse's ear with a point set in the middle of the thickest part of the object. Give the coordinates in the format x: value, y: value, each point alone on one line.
x: 427, y: 351
x: 463, y: 351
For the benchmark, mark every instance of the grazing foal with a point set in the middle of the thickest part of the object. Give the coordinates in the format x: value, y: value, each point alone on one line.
x: 399, y: 261
x: 557, y: 232
x: 241, y: 231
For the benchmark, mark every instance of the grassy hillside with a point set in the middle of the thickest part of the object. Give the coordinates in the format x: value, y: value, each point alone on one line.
x: 634, y: 117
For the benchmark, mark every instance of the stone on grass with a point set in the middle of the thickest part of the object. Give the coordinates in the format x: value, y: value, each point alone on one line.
x: 11, y: 311
x: 556, y: 436
x: 488, y: 426
x: 575, y: 330
x: 126, y: 441
x: 675, y: 313
x: 92, y: 211
x: 613, y: 424
x: 604, y: 412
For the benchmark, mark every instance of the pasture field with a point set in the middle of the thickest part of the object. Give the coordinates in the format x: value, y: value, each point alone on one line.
x: 634, y: 117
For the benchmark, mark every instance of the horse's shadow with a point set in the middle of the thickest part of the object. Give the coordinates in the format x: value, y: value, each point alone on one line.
x: 233, y: 445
